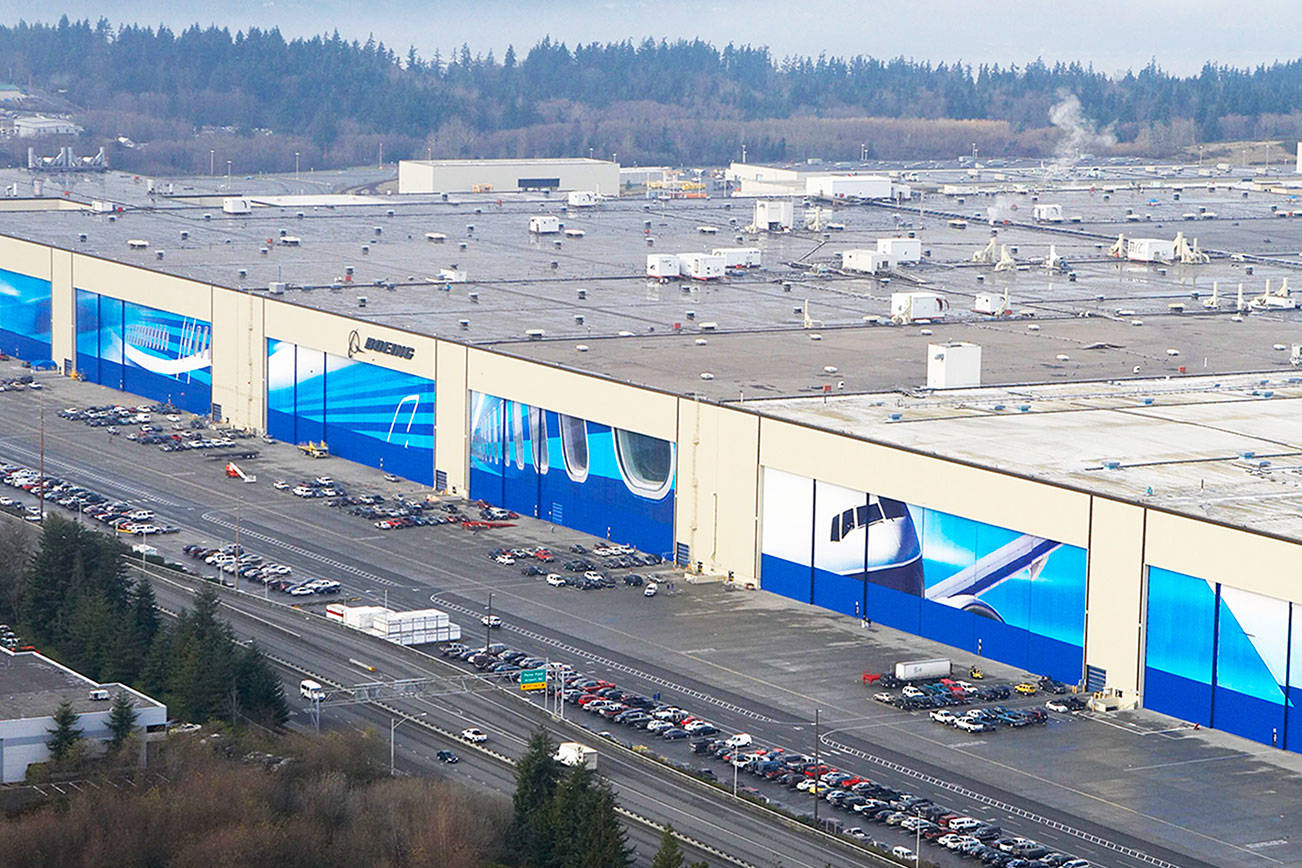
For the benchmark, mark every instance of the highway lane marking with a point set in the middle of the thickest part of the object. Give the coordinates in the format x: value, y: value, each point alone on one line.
x: 1189, y: 762
x: 770, y: 687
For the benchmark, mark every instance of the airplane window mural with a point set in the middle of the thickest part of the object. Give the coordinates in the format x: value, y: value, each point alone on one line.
x: 1010, y: 596
x: 610, y: 482
x: 24, y: 316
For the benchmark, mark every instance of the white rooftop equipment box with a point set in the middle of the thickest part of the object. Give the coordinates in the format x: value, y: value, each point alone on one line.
x: 700, y: 266
x: 581, y: 199
x: 739, y: 257
x: 901, y: 249
x: 1048, y: 213
x: 913, y: 306
x: 545, y: 225
x: 774, y: 216
x: 662, y: 265
x: 1150, y: 249
x: 864, y: 261
x: 848, y: 187
x: 953, y: 365
x: 234, y: 205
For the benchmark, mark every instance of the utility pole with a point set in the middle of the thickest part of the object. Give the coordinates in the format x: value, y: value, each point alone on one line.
x: 42, y: 484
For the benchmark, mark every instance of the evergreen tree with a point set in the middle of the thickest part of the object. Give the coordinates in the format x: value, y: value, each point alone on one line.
x: 536, y: 777
x: 122, y: 719
x: 65, y: 736
x: 605, y: 842
x: 261, y: 695
x: 669, y: 855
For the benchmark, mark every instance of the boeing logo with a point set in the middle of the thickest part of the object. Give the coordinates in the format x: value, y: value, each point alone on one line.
x: 356, y: 345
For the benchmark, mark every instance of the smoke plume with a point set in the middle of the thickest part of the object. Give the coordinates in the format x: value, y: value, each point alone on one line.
x: 1079, y: 135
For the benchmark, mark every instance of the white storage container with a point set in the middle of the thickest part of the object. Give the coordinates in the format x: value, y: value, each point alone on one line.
x: 864, y: 261
x: 1150, y: 249
x: 581, y: 199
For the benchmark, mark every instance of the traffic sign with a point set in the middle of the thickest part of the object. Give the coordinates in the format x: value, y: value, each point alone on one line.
x: 533, y: 679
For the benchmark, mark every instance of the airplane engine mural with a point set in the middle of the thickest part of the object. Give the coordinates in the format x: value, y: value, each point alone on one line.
x: 155, y: 353
x: 1014, y: 597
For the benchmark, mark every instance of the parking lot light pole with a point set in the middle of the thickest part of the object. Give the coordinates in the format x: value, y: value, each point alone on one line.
x: 238, y: 551
x: 814, y: 789
x: 488, y: 623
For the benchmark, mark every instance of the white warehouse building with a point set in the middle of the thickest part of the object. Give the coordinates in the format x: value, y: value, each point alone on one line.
x: 509, y: 176
x: 31, y: 688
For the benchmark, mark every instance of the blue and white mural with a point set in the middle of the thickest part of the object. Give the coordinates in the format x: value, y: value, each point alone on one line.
x: 155, y: 353
x: 1011, y: 596
x: 609, y: 482
x: 24, y: 316
x: 366, y: 413
x: 1223, y: 657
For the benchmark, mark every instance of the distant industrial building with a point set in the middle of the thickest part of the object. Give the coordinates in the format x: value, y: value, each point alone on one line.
x: 508, y: 176
x: 34, y: 126
x: 31, y: 688
x: 750, y: 179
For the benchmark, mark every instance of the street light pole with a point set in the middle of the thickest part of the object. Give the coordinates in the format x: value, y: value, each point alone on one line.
x: 296, y: 166
x: 814, y: 789
x: 212, y: 161
x: 488, y: 623
x: 228, y: 176
x: 394, y: 723
x: 239, y: 552
x: 41, y: 486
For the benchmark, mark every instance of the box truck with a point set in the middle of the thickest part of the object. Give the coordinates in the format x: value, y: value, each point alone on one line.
x: 923, y: 670
x: 571, y: 753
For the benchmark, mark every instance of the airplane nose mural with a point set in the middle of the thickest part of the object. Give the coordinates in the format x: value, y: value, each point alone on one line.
x: 575, y: 472
x: 1010, y: 596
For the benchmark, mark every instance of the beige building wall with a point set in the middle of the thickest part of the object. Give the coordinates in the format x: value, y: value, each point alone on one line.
x: 986, y: 495
x: 717, y: 484
x: 335, y: 334
x: 141, y: 286
x: 1249, y: 561
x: 619, y: 405
x: 1114, y: 601
x: 25, y: 257
x: 63, y: 311
x: 451, y: 405
x: 239, y: 352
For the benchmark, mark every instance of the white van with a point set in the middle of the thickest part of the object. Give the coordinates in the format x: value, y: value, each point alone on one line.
x: 650, y: 590
x: 311, y: 690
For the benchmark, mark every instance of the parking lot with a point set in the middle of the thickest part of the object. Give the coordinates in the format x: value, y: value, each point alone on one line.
x: 745, y: 661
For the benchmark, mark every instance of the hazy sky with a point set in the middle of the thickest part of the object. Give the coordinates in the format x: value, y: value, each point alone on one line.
x: 1112, y: 34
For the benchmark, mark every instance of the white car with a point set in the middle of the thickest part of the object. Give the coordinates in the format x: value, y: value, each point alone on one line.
x: 474, y: 735
x: 593, y: 575
x: 556, y: 580
x: 657, y: 726
x: 698, y: 725
x: 741, y: 739
x: 943, y: 715
x: 491, y: 621
x: 302, y: 491
x: 913, y: 692
x: 324, y: 480
x: 504, y: 560
x: 962, y: 824
x: 884, y: 697
x: 967, y: 724
x: 650, y: 590
x: 281, y: 485
x: 902, y: 852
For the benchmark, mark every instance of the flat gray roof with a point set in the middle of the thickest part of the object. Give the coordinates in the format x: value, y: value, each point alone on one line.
x: 1227, y: 448
x: 32, y: 685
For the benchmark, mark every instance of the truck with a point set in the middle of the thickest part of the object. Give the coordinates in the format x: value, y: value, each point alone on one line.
x: 571, y: 753
x: 923, y: 670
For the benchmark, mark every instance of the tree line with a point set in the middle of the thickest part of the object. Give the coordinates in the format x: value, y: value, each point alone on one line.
x: 71, y: 596
x: 338, y: 100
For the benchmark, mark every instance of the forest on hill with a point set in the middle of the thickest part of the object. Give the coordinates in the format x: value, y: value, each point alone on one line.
x: 260, y: 97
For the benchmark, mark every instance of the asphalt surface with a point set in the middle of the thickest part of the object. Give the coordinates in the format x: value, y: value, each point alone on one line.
x: 1125, y: 790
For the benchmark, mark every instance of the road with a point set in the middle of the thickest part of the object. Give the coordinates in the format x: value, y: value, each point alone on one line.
x: 446, y: 566
x: 332, y: 653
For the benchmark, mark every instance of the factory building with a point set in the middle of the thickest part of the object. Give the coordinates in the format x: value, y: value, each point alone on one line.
x: 508, y: 176
x: 31, y: 688
x: 1068, y: 497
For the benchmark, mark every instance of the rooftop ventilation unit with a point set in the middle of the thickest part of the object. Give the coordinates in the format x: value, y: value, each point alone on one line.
x: 464, y: 324
x: 361, y: 301
x: 137, y: 244
x: 534, y: 334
